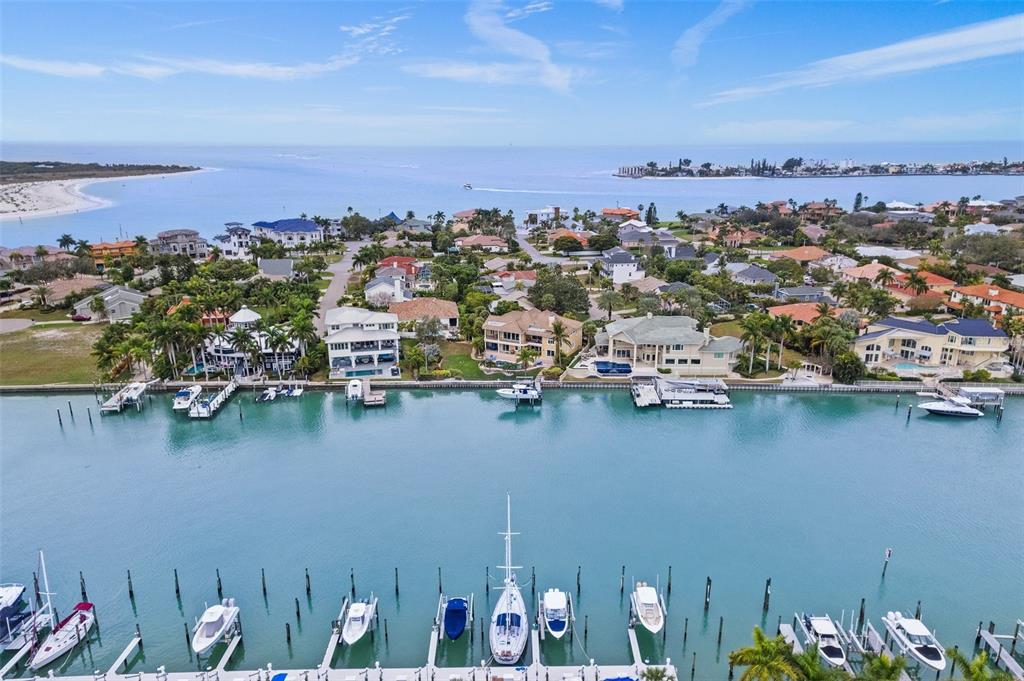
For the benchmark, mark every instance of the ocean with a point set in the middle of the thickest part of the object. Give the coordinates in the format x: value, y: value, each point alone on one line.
x: 267, y: 183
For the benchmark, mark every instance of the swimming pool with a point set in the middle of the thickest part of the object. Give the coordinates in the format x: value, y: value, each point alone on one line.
x: 910, y: 366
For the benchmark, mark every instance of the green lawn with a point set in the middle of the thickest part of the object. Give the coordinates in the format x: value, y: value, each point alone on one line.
x: 49, y: 354
x: 37, y: 314
x: 322, y: 284
x: 788, y: 354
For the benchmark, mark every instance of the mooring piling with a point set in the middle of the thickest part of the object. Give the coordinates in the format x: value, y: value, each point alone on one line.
x: 396, y: 581
x: 767, y: 594
x: 693, y: 666
x: 860, y: 617
x: 131, y: 588
x: 352, y: 578
x: 917, y: 611
x: 721, y: 622
x: 686, y: 629
x: 577, y: 580
x: 263, y: 581
x: 707, y: 594
x: 487, y: 582
x: 88, y: 413
x: 622, y: 580
x: 177, y: 589
x: 70, y: 410
x: 220, y: 589
x: 60, y: 421
x: 885, y: 565
x: 440, y: 589
x: 309, y: 586
x: 188, y: 638
x: 81, y: 583
x: 288, y: 632
x: 669, y: 587
x: 298, y: 613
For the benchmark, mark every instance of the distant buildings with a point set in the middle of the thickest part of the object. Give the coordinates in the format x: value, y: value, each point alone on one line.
x: 290, y: 233
x: 236, y: 241
x: 618, y: 215
x: 505, y: 336
x: 111, y: 252
x: 180, y: 242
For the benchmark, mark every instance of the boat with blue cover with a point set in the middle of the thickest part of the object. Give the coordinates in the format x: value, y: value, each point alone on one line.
x: 457, y: 614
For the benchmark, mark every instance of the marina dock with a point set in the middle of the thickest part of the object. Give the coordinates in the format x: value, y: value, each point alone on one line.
x: 996, y: 645
x: 690, y: 393
x: 205, y: 408
x: 374, y: 398
x: 128, y: 396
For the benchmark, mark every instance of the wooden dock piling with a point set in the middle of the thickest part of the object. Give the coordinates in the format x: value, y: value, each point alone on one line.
x: 917, y: 612
x: 396, y: 579
x: 309, y: 586
x: 263, y: 581
x: 693, y: 666
x: 707, y: 594
x: 81, y: 583
x: 686, y: 629
x: 131, y: 588
x: 352, y: 578
x: 577, y: 580
x: 669, y: 587
x: 70, y: 410
x: 721, y: 622
x: 88, y: 413
x: 298, y: 613
x: 440, y: 590
x: 860, y: 617
x: 288, y: 632
x: 767, y: 594
x: 188, y: 637
x: 220, y: 589
x: 622, y: 580
x: 60, y: 421
x: 177, y: 589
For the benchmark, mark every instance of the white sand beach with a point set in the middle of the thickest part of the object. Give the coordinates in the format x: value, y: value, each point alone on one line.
x: 26, y: 200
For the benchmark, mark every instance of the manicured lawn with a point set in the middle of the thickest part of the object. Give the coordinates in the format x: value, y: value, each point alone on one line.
x: 322, y: 284
x: 788, y: 355
x: 37, y: 314
x: 727, y: 329
x: 49, y: 354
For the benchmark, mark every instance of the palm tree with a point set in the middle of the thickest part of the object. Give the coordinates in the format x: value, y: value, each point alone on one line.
x: 141, y: 244
x: 303, y: 330
x: 885, y: 277
x: 839, y: 290
x: 560, y: 336
x: 66, y: 241
x: 97, y: 306
x: 878, y: 668
x: 41, y: 292
x: 811, y: 669
x: 609, y: 300
x: 782, y: 328
x: 243, y: 342
x: 753, y: 326
x: 768, y: 659
x: 916, y: 283
x: 279, y: 342
x: 977, y: 669
x: 526, y: 356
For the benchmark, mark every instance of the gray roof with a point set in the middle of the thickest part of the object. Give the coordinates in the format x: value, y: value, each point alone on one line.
x: 724, y: 344
x: 672, y: 287
x: 758, y: 274
x: 277, y: 267
x: 618, y: 255
x: 658, y: 330
x: 384, y: 281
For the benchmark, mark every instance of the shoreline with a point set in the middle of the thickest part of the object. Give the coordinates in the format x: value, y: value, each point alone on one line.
x: 58, y: 198
x: 810, y: 177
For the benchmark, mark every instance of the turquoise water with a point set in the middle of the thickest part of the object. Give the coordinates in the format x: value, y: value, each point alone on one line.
x: 807, y: 489
x: 910, y: 366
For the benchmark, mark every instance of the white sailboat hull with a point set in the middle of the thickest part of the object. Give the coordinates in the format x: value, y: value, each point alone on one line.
x: 69, y: 633
x: 509, y: 629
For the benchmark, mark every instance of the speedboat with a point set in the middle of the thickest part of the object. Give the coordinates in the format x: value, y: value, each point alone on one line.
x: 357, y: 620
x: 951, y: 406
x: 912, y: 637
x: 822, y: 631
x: 268, y: 395
x: 555, y: 609
x: 456, y: 615
x: 71, y: 631
x: 11, y: 602
x: 520, y: 392
x: 467, y: 186
x: 184, y: 398
x: 296, y: 391
x: 354, y: 391
x: 509, y: 629
x: 647, y: 607
x: 216, y: 621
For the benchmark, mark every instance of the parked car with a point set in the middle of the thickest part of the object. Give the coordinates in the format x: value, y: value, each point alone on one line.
x: 80, y: 318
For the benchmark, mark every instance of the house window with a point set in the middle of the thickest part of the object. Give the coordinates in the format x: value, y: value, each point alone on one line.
x: 669, y: 360
x: 719, y: 355
x: 677, y: 347
x: 551, y: 353
x: 695, y: 361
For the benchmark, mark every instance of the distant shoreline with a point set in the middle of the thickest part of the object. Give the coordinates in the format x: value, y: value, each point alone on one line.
x: 809, y: 177
x: 55, y: 198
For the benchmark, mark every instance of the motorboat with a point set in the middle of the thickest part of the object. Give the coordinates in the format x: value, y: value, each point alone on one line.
x: 457, y: 614
x: 184, y: 398
x: 912, y: 637
x: 822, y: 630
x: 509, y: 628
x: 296, y: 391
x: 11, y: 601
x: 647, y: 607
x: 467, y: 186
x: 951, y: 406
x: 71, y: 631
x: 521, y: 392
x: 268, y: 395
x: 554, y: 608
x: 216, y: 622
x: 358, y: 619
x: 21, y: 622
x: 354, y: 391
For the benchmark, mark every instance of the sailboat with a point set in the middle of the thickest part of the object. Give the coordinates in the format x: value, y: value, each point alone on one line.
x: 71, y: 631
x: 509, y: 629
x: 21, y: 622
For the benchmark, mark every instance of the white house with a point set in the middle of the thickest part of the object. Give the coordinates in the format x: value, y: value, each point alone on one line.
x: 235, y: 242
x: 836, y: 262
x: 119, y: 303
x: 670, y: 345
x: 621, y: 265
x: 362, y: 343
x: 387, y: 289
x: 225, y: 351
x: 290, y: 233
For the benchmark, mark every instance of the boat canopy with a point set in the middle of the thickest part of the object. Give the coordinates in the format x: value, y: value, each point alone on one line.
x: 914, y: 627
x: 823, y: 626
x: 509, y: 619
x: 647, y: 595
x: 555, y: 600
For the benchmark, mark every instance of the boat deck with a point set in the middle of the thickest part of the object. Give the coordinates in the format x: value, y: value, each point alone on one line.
x: 129, y: 395
x: 998, y: 652
x: 198, y: 410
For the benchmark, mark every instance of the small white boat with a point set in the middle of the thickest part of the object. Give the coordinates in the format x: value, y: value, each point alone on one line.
x: 521, y: 392
x: 268, y: 395
x: 184, y: 398
x: 11, y: 602
x: 914, y: 640
x: 555, y: 612
x: 467, y: 186
x: 509, y: 628
x: 296, y: 391
x: 951, y: 406
x: 71, y: 631
x: 215, y: 623
x: 822, y: 630
x: 354, y: 391
x: 358, y: 620
x: 647, y: 607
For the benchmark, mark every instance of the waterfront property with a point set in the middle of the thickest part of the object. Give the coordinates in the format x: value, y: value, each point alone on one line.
x: 119, y: 304
x: 291, y: 232
x: 362, y: 343
x: 245, y: 348
x: 951, y: 346
x: 666, y: 345
x: 997, y: 301
x: 419, y: 309
x: 506, y: 335
x: 106, y: 254
x: 180, y: 242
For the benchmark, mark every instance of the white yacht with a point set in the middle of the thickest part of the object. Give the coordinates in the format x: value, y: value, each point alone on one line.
x: 951, y: 406
x: 554, y: 607
x: 11, y: 602
x: 821, y: 630
x: 71, y: 631
x: 184, y: 398
x: 215, y: 623
x: 521, y: 392
x: 509, y: 628
x: 647, y: 607
x: 358, y: 619
x: 354, y: 391
x: 268, y: 395
x: 914, y: 640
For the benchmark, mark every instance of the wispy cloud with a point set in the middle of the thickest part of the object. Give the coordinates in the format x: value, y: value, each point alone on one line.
x: 687, y: 47
x: 487, y: 22
x: 375, y: 36
x: 162, y: 67
x: 612, y: 4
x: 195, y: 24
x: 590, y: 49
x: 968, y: 43
x: 530, y: 8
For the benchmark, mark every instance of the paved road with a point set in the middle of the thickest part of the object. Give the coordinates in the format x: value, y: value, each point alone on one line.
x: 534, y: 253
x: 14, y: 324
x: 339, y: 281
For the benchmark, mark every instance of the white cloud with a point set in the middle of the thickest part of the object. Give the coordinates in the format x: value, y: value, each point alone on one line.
x: 374, y: 36
x: 687, y: 47
x: 611, y: 4
x: 968, y: 43
x: 487, y: 23
x: 530, y: 8
x: 162, y: 67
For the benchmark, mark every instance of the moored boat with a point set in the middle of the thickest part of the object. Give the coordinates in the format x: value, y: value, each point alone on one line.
x: 268, y: 395
x: 821, y: 630
x: 214, y: 624
x: 522, y: 392
x: 509, y: 629
x: 71, y: 631
x: 456, y: 616
x: 951, y: 406
x: 184, y: 398
x: 354, y: 391
x: 914, y: 640
x: 647, y: 607
x: 358, y: 619
x: 555, y: 612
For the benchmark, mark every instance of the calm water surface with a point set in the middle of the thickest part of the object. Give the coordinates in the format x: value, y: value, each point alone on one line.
x: 808, y: 490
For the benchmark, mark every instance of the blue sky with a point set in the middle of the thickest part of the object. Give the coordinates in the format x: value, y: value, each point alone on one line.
x: 497, y: 72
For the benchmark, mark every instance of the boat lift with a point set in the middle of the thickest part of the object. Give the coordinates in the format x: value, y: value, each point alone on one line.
x: 800, y: 625
x: 570, y: 614
x: 129, y: 395
x: 442, y: 601
x: 338, y: 625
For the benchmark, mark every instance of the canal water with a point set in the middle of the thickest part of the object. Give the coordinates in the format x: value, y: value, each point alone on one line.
x: 809, y: 490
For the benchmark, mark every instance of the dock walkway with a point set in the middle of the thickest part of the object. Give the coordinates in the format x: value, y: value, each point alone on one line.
x: 1000, y: 655
x: 205, y: 409
x: 129, y: 395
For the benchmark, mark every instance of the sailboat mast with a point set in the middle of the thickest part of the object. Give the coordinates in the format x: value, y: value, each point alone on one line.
x: 508, y: 538
x: 46, y: 581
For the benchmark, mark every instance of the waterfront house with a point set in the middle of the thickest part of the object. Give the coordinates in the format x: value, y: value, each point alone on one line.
x: 937, y: 285
x: 505, y: 335
x: 483, y: 242
x: 206, y: 318
x: 180, y: 242
x: 119, y: 303
x: 819, y: 211
x: 112, y: 251
x: 418, y: 309
x: 223, y: 351
x: 291, y: 233
x: 548, y: 214
x: 362, y: 343
x: 383, y: 290
x: 911, y: 344
x: 803, y: 313
x: 672, y: 345
x: 997, y: 301
x: 236, y: 241
x: 621, y: 266
x: 618, y: 215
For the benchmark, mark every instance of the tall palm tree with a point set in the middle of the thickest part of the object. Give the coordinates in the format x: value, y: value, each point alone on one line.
x: 246, y: 344
x: 526, y: 356
x: 916, y: 283
x: 66, y: 241
x: 560, y: 335
x: 41, y: 292
x: 278, y: 341
x: 878, y: 668
x: 302, y: 329
x: 811, y: 669
x: 977, y: 668
x: 783, y: 328
x: 141, y: 244
x: 768, y: 659
x: 609, y: 300
x: 885, y: 277
x: 753, y: 326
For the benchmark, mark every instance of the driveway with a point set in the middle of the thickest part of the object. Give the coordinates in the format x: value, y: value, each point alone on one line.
x: 534, y: 253
x: 339, y: 282
x: 14, y: 324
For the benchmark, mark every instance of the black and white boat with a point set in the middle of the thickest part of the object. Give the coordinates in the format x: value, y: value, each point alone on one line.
x: 556, y: 612
x: 914, y: 640
x: 822, y: 630
x: 951, y: 406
